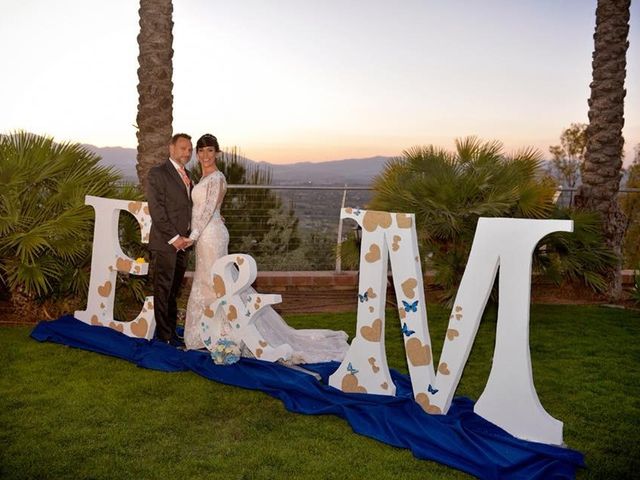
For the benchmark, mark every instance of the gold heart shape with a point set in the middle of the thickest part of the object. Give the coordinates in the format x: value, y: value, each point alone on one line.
x: 374, y: 367
x: 452, y: 333
x: 373, y: 255
x: 373, y: 220
x: 371, y: 293
x: 423, y: 400
x: 384, y: 385
x: 371, y: 309
x: 258, y: 352
x: 403, y: 220
x: 458, y: 316
x: 263, y: 343
x: 402, y: 312
x: 395, y: 246
x: 373, y: 332
x: 123, y: 265
x: 443, y: 368
x: 458, y: 308
x: 409, y: 287
x: 134, y: 207
x: 232, y: 314
x: 239, y: 260
x: 95, y: 320
x: 116, y: 326
x: 139, y: 328
x: 105, y: 289
x: 350, y: 384
x: 418, y: 353
x: 218, y: 286
x: 102, y: 305
x: 146, y: 209
x: 208, y: 312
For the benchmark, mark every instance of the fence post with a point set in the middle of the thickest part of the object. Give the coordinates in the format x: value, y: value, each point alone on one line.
x: 339, y: 242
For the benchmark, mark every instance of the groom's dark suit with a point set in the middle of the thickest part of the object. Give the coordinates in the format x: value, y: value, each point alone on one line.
x: 170, y: 209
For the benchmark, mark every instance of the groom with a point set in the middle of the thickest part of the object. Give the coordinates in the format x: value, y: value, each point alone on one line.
x: 168, y: 192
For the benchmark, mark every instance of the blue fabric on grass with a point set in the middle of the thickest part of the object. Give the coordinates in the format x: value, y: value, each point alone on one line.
x: 460, y: 439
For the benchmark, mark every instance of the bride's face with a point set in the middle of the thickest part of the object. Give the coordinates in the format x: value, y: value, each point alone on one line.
x: 207, y: 157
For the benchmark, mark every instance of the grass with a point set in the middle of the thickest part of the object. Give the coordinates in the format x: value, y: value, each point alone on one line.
x: 67, y: 413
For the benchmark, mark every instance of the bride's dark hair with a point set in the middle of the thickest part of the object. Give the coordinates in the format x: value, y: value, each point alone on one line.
x: 207, y: 140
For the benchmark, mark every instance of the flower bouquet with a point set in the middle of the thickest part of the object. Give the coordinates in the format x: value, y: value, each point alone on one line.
x: 226, y: 352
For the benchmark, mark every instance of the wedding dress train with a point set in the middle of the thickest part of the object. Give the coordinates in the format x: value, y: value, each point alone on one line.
x: 212, y: 240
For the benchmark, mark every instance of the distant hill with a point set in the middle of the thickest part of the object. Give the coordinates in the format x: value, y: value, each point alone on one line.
x: 355, y: 171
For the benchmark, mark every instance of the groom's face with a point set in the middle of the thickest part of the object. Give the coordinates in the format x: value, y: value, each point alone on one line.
x: 181, y: 150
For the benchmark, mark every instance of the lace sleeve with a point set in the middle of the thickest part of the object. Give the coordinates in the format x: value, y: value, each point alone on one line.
x: 213, y: 198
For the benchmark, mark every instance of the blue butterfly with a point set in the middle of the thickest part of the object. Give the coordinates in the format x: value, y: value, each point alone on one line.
x: 357, y: 211
x: 207, y: 342
x: 364, y: 297
x: 248, y: 314
x: 351, y: 370
x: 430, y: 389
x: 410, y: 307
x: 406, y: 330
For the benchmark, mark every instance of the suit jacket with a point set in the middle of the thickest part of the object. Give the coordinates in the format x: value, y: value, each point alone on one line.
x: 169, y: 206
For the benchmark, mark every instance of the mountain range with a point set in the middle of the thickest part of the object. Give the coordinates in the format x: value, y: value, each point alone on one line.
x: 354, y: 171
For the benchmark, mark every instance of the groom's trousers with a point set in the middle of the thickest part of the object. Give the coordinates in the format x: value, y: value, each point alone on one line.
x: 168, y: 270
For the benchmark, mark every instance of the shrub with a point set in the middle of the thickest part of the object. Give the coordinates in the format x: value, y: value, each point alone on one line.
x: 46, y: 230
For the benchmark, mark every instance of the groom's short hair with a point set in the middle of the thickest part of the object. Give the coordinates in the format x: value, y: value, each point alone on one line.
x: 177, y: 136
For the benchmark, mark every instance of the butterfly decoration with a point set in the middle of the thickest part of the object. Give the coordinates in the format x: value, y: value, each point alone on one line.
x: 430, y: 389
x: 364, y: 297
x: 357, y: 211
x: 351, y: 370
x: 410, y: 307
x: 223, y: 302
x: 248, y: 314
x: 249, y: 298
x: 207, y: 342
x: 406, y: 331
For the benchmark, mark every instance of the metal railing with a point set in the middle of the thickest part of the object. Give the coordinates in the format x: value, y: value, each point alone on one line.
x: 313, y: 213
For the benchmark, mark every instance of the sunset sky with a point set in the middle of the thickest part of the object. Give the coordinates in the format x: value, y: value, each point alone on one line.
x: 295, y: 80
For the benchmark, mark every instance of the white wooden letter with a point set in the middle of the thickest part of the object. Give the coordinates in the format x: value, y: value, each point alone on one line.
x: 107, y: 259
x: 509, y: 399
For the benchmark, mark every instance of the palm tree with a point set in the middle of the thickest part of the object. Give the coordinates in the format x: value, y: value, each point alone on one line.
x: 155, y: 97
x: 449, y: 191
x: 46, y: 230
x: 603, y: 156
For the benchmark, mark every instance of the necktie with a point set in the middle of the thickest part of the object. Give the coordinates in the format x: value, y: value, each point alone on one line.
x: 185, y: 179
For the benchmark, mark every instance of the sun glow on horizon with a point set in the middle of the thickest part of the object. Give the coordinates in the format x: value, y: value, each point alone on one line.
x: 299, y: 82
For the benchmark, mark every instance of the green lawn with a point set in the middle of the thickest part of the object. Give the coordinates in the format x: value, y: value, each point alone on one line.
x: 67, y: 413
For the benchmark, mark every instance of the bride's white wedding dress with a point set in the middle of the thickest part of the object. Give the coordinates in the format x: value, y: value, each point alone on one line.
x: 212, y: 240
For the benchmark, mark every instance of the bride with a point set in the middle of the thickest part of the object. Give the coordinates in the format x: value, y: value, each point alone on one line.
x: 212, y: 239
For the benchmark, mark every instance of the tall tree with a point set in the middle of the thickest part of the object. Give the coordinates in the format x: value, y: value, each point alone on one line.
x: 155, y: 97
x: 603, y: 156
x: 569, y: 155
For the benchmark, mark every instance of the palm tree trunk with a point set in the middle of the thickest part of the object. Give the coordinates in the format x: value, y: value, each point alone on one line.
x: 603, y: 156
x: 155, y: 97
